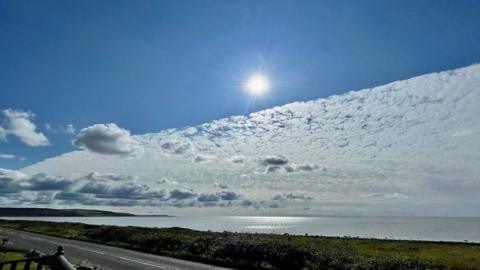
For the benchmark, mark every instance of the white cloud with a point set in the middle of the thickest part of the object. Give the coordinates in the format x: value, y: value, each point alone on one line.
x: 417, y: 137
x: 167, y: 181
x: 301, y: 168
x: 107, y: 139
x: 104, y: 177
x: 67, y: 129
x: 218, y: 185
x: 203, y: 158
x: 176, y: 147
x: 237, y: 159
x: 19, y: 123
x: 7, y: 156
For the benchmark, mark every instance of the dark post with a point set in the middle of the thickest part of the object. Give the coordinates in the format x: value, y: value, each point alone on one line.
x: 58, y: 262
x: 27, y: 264
x: 13, y: 266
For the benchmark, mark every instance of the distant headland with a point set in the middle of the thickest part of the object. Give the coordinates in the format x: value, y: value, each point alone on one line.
x: 49, y: 212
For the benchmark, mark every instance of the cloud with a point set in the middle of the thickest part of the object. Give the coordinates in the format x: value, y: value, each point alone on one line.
x: 42, y: 197
x: 182, y: 194
x: 228, y: 195
x: 67, y: 129
x: 208, y: 198
x: 218, y: 185
x: 167, y: 181
x: 113, y: 186
x: 20, y: 124
x: 176, y: 147
x: 274, y: 205
x: 91, y: 189
x: 15, y: 181
x: 105, y: 177
x: 279, y: 163
x: 301, y: 168
x: 237, y: 159
x: 7, y: 156
x: 131, y: 191
x: 272, y: 169
x: 390, y: 196
x: 107, y: 139
x: 3, y: 134
x: 75, y: 198
x: 203, y: 158
x: 9, y: 181
x: 70, y: 196
x: 248, y: 203
x: 297, y: 195
x: 389, y: 139
x: 274, y: 160
x: 43, y: 181
x: 105, y: 189
x: 224, y: 195
x: 190, y: 131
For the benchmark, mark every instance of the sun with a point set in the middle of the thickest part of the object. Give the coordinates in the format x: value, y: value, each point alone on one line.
x: 257, y: 84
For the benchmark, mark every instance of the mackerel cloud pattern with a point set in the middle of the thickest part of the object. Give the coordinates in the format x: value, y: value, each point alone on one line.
x: 408, y: 147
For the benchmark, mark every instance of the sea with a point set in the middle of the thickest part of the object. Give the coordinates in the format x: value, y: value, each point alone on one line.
x: 405, y: 228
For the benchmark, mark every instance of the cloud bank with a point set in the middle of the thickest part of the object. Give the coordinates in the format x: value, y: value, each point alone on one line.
x: 408, y: 147
x: 101, y: 189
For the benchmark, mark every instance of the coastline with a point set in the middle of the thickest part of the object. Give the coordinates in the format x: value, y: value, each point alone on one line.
x: 390, y: 228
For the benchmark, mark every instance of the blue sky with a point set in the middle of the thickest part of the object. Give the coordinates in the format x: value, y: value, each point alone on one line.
x: 152, y: 65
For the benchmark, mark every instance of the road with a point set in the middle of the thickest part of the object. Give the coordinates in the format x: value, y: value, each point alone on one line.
x: 108, y: 258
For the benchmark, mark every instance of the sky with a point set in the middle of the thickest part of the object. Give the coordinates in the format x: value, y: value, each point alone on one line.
x: 71, y: 71
x: 153, y: 65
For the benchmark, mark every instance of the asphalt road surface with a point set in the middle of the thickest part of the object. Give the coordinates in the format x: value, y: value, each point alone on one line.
x: 106, y: 257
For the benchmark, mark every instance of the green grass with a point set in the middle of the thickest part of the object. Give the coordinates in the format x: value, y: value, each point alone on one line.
x: 10, y: 254
x: 269, y: 251
x: 458, y: 255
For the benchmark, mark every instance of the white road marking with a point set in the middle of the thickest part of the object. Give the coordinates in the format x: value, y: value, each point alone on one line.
x: 86, y: 249
x: 140, y: 262
x: 67, y: 245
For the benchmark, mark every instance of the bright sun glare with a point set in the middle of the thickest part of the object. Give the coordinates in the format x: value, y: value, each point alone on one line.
x: 257, y: 84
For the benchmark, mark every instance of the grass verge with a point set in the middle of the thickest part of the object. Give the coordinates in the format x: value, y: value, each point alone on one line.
x: 8, y: 253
